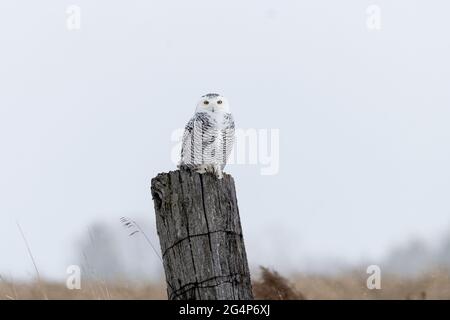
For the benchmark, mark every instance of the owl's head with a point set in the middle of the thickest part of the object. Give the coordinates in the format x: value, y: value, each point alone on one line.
x: 213, y: 102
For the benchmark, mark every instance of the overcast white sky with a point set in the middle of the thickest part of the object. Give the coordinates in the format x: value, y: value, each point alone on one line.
x: 86, y: 119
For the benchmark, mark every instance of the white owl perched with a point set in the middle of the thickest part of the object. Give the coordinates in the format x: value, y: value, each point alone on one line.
x: 208, y: 137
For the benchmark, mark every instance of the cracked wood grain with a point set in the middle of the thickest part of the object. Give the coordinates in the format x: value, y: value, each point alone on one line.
x: 198, y: 224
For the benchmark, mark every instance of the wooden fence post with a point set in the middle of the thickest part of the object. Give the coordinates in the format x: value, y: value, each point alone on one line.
x: 199, y: 229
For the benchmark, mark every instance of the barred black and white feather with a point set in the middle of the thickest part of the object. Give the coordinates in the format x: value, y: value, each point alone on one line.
x: 207, y: 140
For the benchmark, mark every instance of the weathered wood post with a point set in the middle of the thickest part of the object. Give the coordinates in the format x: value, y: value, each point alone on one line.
x: 199, y: 229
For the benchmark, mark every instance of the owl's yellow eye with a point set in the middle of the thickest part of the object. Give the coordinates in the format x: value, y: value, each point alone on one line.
x: 219, y: 102
x: 205, y: 102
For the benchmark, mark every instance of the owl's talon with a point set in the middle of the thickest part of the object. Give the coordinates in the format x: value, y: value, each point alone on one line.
x: 201, y: 169
x: 217, y: 171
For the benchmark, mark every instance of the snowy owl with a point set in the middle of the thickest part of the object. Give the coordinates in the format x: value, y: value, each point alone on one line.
x: 208, y: 136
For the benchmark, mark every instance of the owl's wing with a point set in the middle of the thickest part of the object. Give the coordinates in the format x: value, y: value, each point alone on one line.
x: 227, y: 138
x: 186, y: 142
x: 196, y: 138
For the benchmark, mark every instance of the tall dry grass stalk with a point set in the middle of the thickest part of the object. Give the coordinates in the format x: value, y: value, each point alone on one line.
x: 135, y: 228
x: 30, y: 253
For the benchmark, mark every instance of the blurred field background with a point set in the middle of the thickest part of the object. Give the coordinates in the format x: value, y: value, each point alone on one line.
x: 124, y: 263
x: 268, y: 285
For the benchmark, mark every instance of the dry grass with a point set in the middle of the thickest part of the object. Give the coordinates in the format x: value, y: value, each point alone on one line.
x: 353, y: 286
x: 89, y: 291
x: 272, y: 286
x: 268, y: 285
